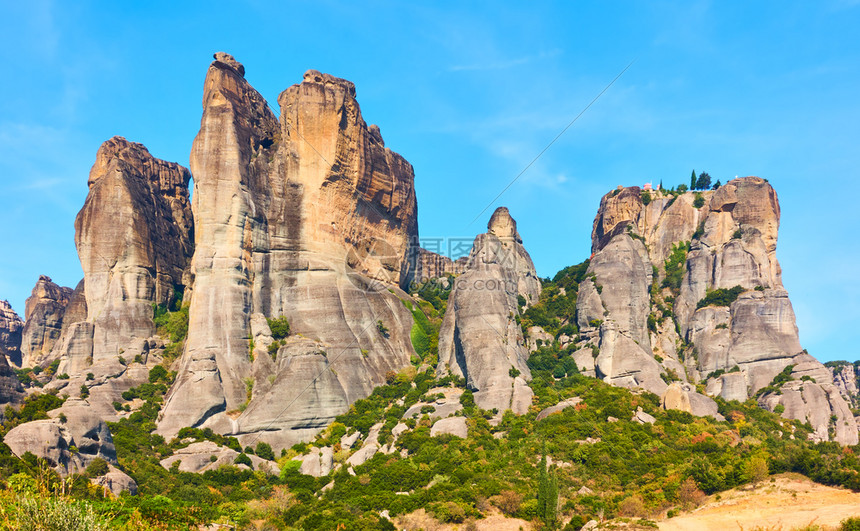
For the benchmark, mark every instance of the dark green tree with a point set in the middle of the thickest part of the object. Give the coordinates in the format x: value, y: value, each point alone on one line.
x: 547, y: 493
x: 704, y: 181
x: 693, y: 180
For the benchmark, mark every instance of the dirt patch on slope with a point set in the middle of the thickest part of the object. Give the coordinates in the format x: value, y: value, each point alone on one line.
x: 787, y: 502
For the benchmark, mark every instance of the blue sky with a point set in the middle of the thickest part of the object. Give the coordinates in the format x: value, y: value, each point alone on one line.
x: 469, y: 93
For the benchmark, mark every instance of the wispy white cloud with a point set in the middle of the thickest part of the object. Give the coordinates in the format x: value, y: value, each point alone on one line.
x: 505, y: 64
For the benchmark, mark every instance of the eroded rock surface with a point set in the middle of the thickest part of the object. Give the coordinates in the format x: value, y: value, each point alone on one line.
x: 627, y: 311
x: 43, y: 320
x: 69, y: 441
x: 309, y: 217
x: 11, y: 392
x: 11, y: 327
x: 480, y: 340
x: 134, y: 236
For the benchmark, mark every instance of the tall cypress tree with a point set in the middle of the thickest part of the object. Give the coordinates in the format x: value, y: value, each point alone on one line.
x: 693, y: 181
x: 547, y: 493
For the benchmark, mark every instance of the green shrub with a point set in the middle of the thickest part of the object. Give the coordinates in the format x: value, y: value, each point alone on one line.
x: 674, y: 266
x: 98, y: 467
x: 171, y: 324
x: 243, y: 459
x: 264, y: 451
x: 699, y: 201
x: 84, y: 391
x: 646, y: 197
x: 720, y: 297
x: 56, y: 514
x: 850, y: 524
x: 279, y: 327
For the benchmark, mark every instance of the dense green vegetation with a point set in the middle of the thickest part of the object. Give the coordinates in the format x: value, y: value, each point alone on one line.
x: 522, y: 467
x: 720, y: 297
x: 555, y: 311
x: 675, y: 266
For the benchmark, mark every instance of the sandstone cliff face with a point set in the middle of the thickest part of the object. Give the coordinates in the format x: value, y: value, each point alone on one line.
x: 480, y: 340
x: 52, y: 439
x: 11, y: 327
x: 43, y: 321
x: 309, y: 217
x: 134, y: 238
x: 11, y: 392
x: 735, y: 349
x: 430, y: 265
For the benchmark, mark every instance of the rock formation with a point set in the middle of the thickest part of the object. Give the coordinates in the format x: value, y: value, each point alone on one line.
x: 43, y: 318
x: 431, y: 265
x: 647, y: 329
x: 310, y: 218
x: 134, y: 238
x: 11, y: 327
x: 11, y: 392
x: 480, y: 340
x: 69, y: 441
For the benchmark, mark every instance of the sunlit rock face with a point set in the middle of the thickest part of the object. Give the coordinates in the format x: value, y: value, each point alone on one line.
x: 309, y: 217
x: 480, y: 340
x: 134, y: 237
x: 43, y: 317
x: 735, y: 349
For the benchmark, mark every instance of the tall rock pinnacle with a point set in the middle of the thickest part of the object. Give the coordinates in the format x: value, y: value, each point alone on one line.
x: 480, y: 340
x: 309, y: 217
x: 134, y: 238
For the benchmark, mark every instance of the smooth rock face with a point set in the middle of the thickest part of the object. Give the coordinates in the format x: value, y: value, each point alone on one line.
x: 684, y: 397
x: 309, y: 217
x: 479, y: 339
x: 134, y: 238
x: 749, y: 342
x: 455, y: 426
x: 116, y: 482
x: 198, y: 457
x: 615, y: 300
x: 53, y: 439
x: 43, y: 320
x: 318, y: 462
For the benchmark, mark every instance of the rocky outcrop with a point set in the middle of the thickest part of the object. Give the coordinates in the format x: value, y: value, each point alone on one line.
x: 11, y: 327
x: 646, y: 330
x: 116, y: 482
x: 558, y: 408
x: 43, y: 318
x: 480, y: 340
x: 134, y: 237
x: 202, y: 456
x: 612, y: 308
x: 309, y: 217
x: 431, y: 266
x: 846, y: 378
x: 455, y: 426
x: 11, y: 392
x: 74, y: 437
x: 684, y: 397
